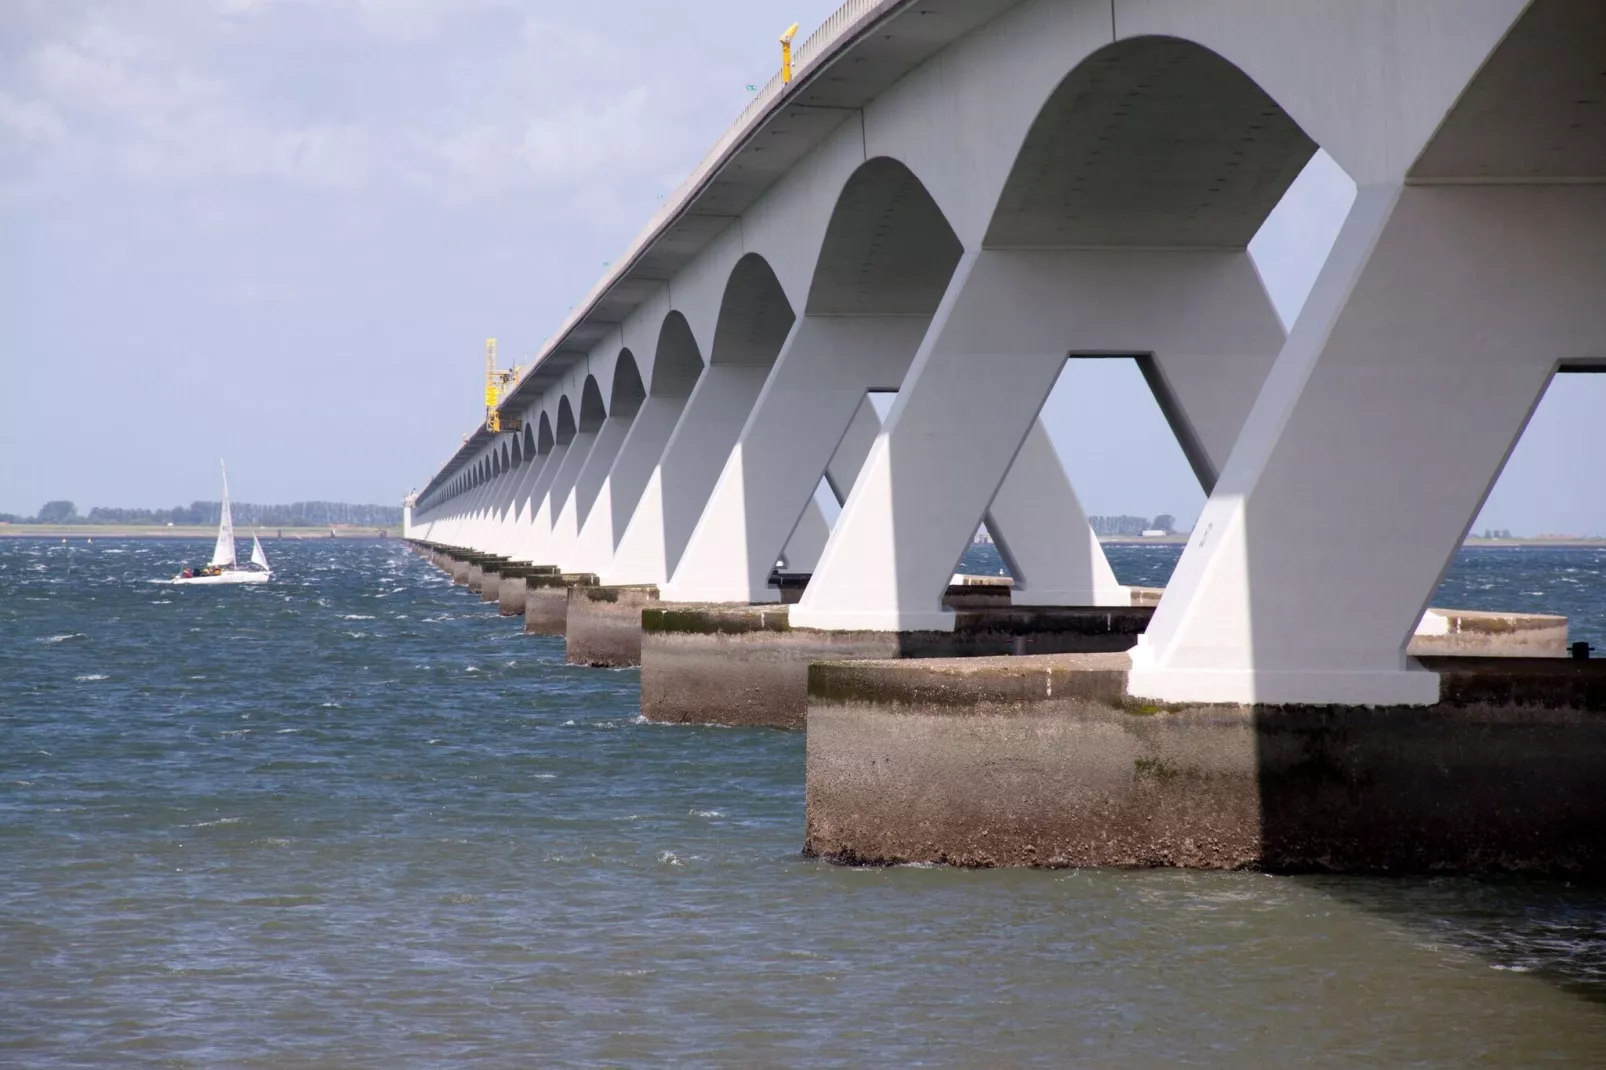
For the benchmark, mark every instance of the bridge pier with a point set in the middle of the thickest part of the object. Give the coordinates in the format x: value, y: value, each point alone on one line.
x: 1048, y: 761
x: 510, y: 595
x: 953, y: 436
x: 1054, y: 182
x: 1411, y: 372
x: 746, y: 665
x: 603, y: 624
x: 546, y: 601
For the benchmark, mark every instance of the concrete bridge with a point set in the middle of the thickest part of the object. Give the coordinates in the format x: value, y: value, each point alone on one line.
x: 952, y: 198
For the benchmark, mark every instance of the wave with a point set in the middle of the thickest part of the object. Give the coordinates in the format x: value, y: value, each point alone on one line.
x: 63, y: 638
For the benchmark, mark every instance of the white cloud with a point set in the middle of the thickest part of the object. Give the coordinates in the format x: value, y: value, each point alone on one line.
x: 533, y: 104
x: 31, y: 120
x: 583, y: 141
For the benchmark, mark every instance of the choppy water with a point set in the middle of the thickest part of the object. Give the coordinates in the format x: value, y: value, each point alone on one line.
x: 1568, y: 580
x: 355, y: 819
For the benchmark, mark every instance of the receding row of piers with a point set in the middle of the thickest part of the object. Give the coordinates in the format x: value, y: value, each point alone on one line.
x: 1011, y: 739
x: 867, y: 293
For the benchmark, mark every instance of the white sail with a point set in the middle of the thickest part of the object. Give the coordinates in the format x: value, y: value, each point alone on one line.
x: 257, y: 556
x: 223, y: 554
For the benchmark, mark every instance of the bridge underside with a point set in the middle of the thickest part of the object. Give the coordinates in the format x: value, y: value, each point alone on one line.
x: 952, y: 206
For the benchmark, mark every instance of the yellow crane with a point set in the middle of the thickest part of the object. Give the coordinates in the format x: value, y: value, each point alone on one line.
x: 786, y: 53
x: 496, y: 382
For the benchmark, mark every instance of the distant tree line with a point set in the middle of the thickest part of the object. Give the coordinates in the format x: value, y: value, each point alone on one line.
x: 246, y: 514
x: 1132, y: 525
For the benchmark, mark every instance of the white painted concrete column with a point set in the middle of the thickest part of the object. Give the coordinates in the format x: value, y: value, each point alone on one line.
x: 533, y: 527
x: 462, y: 528
x: 996, y: 346
x: 565, y: 528
x: 507, y: 530
x: 487, y: 522
x: 814, y: 392
x: 447, y: 523
x: 680, y: 485
x: 806, y: 544
x: 1423, y: 347
x: 588, y: 485
x: 1043, y: 534
x: 807, y: 541
x: 624, y: 491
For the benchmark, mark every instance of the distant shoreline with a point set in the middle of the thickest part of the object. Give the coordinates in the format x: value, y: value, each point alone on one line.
x: 84, y: 532
x: 1181, y: 540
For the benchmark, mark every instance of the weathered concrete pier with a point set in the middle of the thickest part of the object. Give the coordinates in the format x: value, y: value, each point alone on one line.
x: 1049, y: 761
x: 950, y: 201
x: 746, y: 665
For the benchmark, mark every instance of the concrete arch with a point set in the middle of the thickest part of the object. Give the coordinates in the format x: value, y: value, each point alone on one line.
x: 887, y: 250
x: 516, y: 450
x: 1130, y: 177
x: 678, y: 362
x: 884, y: 263
x: 545, y: 439
x: 1534, y: 110
x: 565, y: 425
x: 592, y: 409
x: 1150, y: 142
x: 627, y: 392
x: 754, y: 316
x: 529, y: 441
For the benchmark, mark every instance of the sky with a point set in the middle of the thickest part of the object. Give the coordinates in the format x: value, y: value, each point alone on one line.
x: 279, y: 231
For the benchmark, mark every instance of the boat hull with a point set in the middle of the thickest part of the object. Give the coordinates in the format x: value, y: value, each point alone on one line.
x: 221, y: 580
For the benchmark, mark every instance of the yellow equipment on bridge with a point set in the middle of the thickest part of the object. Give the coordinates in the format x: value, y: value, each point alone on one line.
x: 496, y: 383
x: 786, y: 53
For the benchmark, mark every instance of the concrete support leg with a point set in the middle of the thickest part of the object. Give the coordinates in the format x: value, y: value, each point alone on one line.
x: 452, y: 520
x: 524, y: 477
x: 1043, y: 534
x: 813, y: 395
x: 807, y: 542
x: 533, y: 526
x: 510, y: 596
x: 625, y: 487
x: 685, y: 476
x: 992, y: 353
x: 488, y: 526
x: 565, y: 506
x: 1423, y: 348
x: 469, y: 533
x: 589, y: 485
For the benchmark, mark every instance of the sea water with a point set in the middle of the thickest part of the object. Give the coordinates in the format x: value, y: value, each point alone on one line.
x: 353, y: 818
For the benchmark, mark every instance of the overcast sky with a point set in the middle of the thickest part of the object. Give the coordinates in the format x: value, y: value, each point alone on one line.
x: 279, y: 230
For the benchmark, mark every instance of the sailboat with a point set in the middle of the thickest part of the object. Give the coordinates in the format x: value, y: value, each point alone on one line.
x: 223, y: 568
